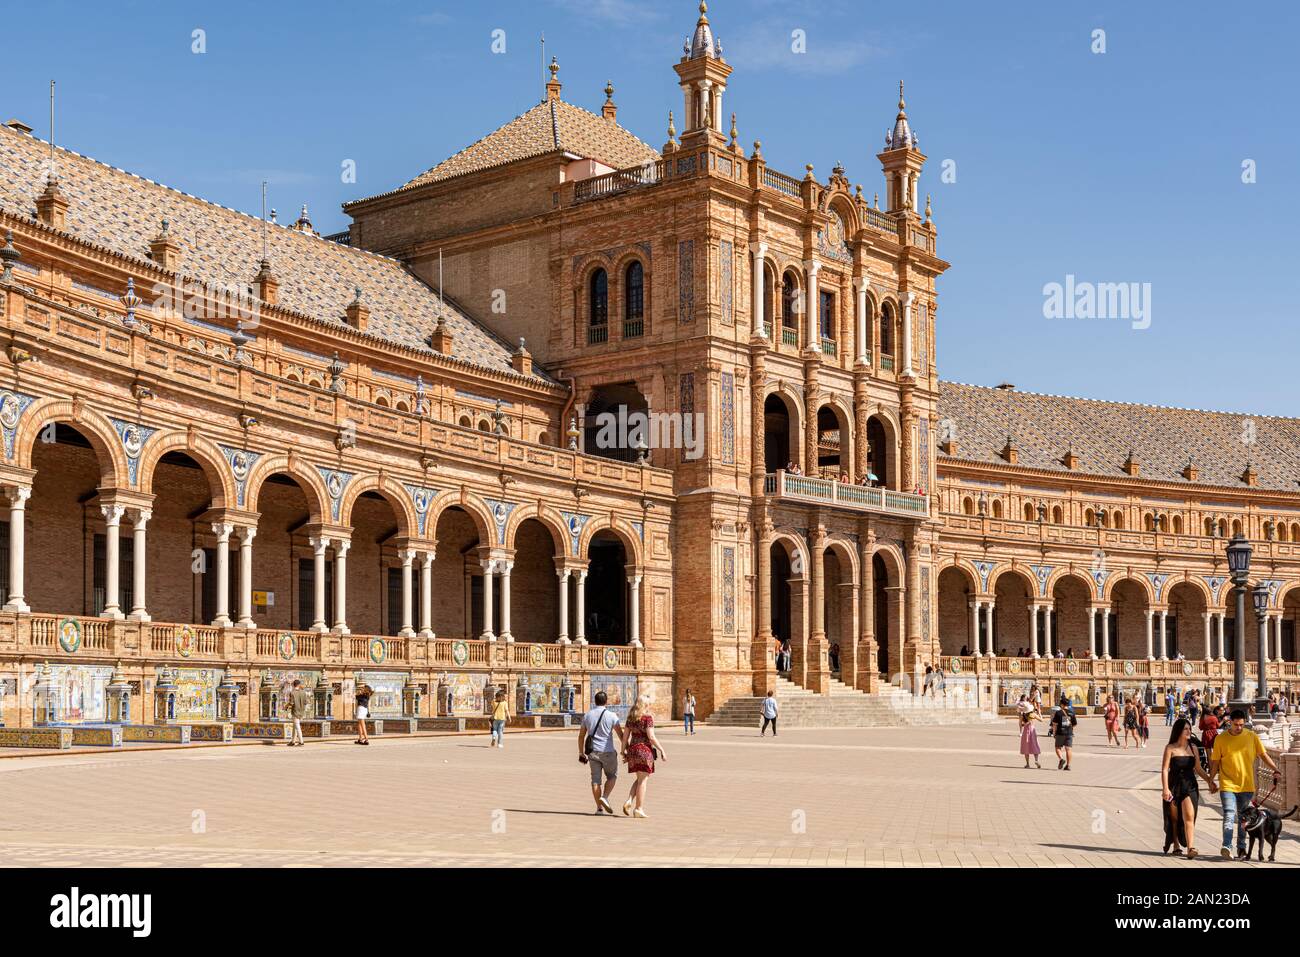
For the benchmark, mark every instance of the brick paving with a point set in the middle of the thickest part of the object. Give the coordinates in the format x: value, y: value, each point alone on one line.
x: 897, y: 797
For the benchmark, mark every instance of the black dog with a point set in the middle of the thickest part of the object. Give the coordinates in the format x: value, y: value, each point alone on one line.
x: 1265, y: 825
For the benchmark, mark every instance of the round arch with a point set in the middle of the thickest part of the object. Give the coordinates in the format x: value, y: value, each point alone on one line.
x: 1063, y: 574
x: 847, y: 554
x: 631, y: 542
x: 548, y: 517
x: 95, y: 427
x: 310, y: 481
x: 221, y: 481
x: 1015, y: 571
x: 794, y: 545
x: 1284, y: 590
x: 472, y: 505
x: 391, y: 491
x: 1108, y: 593
x: 844, y: 419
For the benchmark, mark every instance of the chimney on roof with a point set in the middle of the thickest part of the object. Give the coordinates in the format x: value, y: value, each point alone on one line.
x: 1131, y: 466
x: 163, y: 251
x: 441, y: 339
x: 1009, y: 451
x: 553, y: 87
x: 1250, y: 476
x: 1190, y: 471
x: 358, y: 313
x: 19, y: 126
x: 1071, y: 461
x: 52, y: 205
x: 609, y: 111
x: 268, y: 287
x: 522, y: 360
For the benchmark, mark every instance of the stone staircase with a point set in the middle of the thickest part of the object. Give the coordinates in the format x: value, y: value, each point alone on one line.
x: 846, y: 707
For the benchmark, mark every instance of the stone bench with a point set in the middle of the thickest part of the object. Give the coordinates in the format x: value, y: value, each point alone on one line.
x: 155, y: 733
x: 60, y: 738
x: 398, y: 725
x: 316, y: 728
x: 558, y: 720
x: 97, y: 736
x: 447, y: 723
x: 349, y: 726
x: 219, y: 731
x: 262, y: 730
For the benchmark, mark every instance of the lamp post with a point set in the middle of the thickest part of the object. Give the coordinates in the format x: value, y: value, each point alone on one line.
x: 1238, y: 570
x: 1260, y: 595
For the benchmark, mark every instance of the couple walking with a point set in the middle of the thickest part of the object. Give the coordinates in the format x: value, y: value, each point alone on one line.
x: 636, y: 744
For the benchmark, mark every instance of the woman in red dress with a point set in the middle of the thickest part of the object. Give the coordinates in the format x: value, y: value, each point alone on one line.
x: 640, y: 750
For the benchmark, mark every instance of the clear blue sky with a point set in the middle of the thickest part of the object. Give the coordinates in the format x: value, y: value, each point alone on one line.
x: 1115, y: 167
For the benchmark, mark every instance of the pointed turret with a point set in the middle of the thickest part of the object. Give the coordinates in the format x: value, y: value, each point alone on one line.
x: 703, y: 78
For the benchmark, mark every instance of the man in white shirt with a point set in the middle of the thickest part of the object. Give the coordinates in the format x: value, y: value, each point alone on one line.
x: 770, y: 710
x: 596, y: 749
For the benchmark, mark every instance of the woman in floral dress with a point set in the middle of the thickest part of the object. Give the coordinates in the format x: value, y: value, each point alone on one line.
x: 640, y: 750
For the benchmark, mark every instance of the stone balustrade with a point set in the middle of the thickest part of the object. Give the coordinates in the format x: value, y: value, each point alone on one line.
x: 861, y: 498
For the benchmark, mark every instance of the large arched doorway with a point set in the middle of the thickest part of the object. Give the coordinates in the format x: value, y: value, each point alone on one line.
x: 606, y: 594
x: 1011, y: 616
x: 534, y: 588
x: 1185, y: 623
x: 616, y: 422
x: 788, y: 587
x: 374, y: 587
x: 1070, y: 612
x: 887, y: 602
x: 457, y: 577
x: 833, y: 458
x: 1128, y: 603
x: 182, y: 494
x: 839, y: 609
x: 956, y: 595
x: 880, y: 459
x: 780, y: 439
x: 284, y: 565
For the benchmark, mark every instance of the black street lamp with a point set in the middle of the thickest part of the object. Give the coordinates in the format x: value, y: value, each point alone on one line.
x: 1238, y: 570
x: 1260, y: 594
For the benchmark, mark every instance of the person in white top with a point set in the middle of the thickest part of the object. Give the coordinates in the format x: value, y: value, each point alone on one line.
x: 688, y: 713
x: 770, y: 710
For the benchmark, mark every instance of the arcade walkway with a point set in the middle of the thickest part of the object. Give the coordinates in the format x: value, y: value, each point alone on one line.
x: 893, y: 797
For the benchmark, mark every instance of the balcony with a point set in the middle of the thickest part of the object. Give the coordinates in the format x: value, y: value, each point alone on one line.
x: 828, y: 347
x: 857, y: 498
x: 633, y: 328
x: 789, y: 337
x: 597, y: 334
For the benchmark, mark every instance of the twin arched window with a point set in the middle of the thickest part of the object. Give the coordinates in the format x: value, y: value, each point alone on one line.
x: 599, y: 298
x: 634, y: 293
x: 887, y: 329
x: 789, y: 300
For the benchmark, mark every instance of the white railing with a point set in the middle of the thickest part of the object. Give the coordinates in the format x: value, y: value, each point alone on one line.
x: 863, y: 498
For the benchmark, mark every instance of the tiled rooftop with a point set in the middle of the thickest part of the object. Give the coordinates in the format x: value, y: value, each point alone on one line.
x: 1046, y: 427
x: 123, y: 212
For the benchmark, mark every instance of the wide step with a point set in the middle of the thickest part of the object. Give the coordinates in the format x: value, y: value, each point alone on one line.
x: 847, y: 707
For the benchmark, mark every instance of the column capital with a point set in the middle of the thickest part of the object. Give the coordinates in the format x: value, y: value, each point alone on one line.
x: 341, y: 546
x: 319, y: 543
x: 18, y: 495
x: 427, y: 556
x: 140, y: 516
x: 112, y: 514
x: 406, y: 555
x: 247, y: 533
x: 222, y: 530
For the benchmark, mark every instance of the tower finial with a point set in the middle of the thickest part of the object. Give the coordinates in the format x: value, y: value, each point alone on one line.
x: 704, y: 12
x: 901, y: 105
x: 553, y: 87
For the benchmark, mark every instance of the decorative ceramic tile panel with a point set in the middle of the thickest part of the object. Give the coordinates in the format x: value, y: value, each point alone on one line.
x: 727, y: 413
x: 686, y: 281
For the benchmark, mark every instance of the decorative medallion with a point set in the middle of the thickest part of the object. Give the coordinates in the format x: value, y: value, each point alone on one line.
x: 1013, y: 664
x: 133, y: 436
x: 1042, y: 573
x: 1157, y: 583
x: 241, y: 462
x: 574, y: 524
x: 500, y: 515
x: 187, y: 641
x: 422, y: 498
x: 985, y: 569
x: 287, y: 645
x: 537, y: 656
x: 336, y: 483
x: 11, y: 408
x: 1129, y: 668
x: 378, y: 650
x: 611, y: 658
x: 1072, y: 667
x: 954, y: 665
x: 1187, y: 668
x: 70, y: 635
x: 1215, y: 583
x: 459, y: 653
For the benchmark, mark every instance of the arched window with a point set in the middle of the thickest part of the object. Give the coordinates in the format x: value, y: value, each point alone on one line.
x: 1029, y: 511
x: 997, y: 508
x: 768, y: 315
x: 887, y: 329
x: 1281, y: 532
x: 1058, y: 517
x: 789, y: 301
x: 633, y: 298
x: 1089, y: 517
x: 1236, y: 526
x: 1178, y: 525
x: 968, y: 506
x: 1162, y: 523
x: 599, y: 298
x: 1105, y: 519
x: 1119, y: 520
x: 543, y: 438
x: 1223, y: 528
x: 1209, y: 527
x: 1295, y: 531
x: 466, y: 422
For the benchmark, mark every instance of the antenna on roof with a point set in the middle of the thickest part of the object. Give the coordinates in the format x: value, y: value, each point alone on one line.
x: 265, y: 251
x: 440, y: 306
x: 543, y: 60
x: 51, y: 172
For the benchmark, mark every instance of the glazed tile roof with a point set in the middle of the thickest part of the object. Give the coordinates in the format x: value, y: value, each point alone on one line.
x: 1101, y: 433
x: 317, y: 277
x: 550, y: 126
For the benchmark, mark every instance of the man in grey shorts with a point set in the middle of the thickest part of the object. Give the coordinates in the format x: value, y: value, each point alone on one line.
x: 597, y: 750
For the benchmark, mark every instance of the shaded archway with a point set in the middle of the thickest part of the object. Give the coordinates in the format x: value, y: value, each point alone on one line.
x: 283, y: 561
x: 1128, y: 624
x: 888, y: 605
x: 1185, y: 623
x: 834, y: 458
x: 457, y: 576
x: 374, y: 568
x: 534, y: 587
x: 788, y: 587
x: 1014, y: 592
x: 183, y: 494
x: 611, y: 422
x: 881, y: 461
x: 840, y: 608
x: 1071, y: 604
x: 605, y: 605
x: 780, y: 434
x: 956, y: 597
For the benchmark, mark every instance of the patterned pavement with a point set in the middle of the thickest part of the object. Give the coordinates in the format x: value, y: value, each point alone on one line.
x: 896, y: 797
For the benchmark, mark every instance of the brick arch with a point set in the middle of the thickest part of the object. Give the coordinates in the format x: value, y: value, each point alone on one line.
x: 96, y: 428
x: 391, y: 491
x: 894, y: 560
x: 847, y: 554
x: 1031, y: 583
x: 631, y: 542
x: 1283, y: 591
x: 1108, y: 593
x: 472, y: 505
x: 1061, y: 574
x: 1196, y: 582
x: 221, y: 481
x: 792, y: 542
x: 967, y: 569
x: 548, y: 517
x: 793, y: 402
x: 841, y: 201
x: 307, y: 478
x: 848, y: 438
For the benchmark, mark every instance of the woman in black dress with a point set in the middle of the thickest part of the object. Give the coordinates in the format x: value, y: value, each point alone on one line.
x: 1182, y: 797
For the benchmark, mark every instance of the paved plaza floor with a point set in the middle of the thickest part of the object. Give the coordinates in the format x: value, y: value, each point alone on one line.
x: 895, y: 797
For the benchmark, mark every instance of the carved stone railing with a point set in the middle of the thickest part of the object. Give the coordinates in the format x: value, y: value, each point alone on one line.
x: 861, y: 498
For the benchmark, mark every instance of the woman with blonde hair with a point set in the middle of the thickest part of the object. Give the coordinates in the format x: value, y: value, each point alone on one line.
x: 640, y: 750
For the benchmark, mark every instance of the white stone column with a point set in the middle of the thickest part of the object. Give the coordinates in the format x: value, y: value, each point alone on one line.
x: 407, y: 555
x: 139, y: 606
x: 1047, y: 632
x: 112, y: 560
x: 759, y: 252
x: 1092, y: 632
x: 812, y: 267
x: 318, y: 546
x: 563, y: 575
x: 489, y: 569
x: 1105, y: 631
x: 634, y: 611
x: 18, y: 496
x: 1164, y: 632
x: 246, y: 536
x: 341, y: 547
x: 975, y: 626
x: 1151, y: 652
x: 426, y: 594
x: 988, y: 628
x: 505, y: 567
x: 1277, y: 641
x: 861, y: 285
x: 1205, y: 617
x: 1033, y: 631
x: 222, y: 530
x: 907, y: 335
x: 580, y: 607
x: 1223, y: 639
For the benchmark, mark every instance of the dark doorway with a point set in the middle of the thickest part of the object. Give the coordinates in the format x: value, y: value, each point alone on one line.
x: 776, y: 434
x: 606, y: 596
x: 880, y: 580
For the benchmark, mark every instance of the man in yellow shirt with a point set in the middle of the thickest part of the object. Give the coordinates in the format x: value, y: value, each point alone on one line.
x: 1233, y: 760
